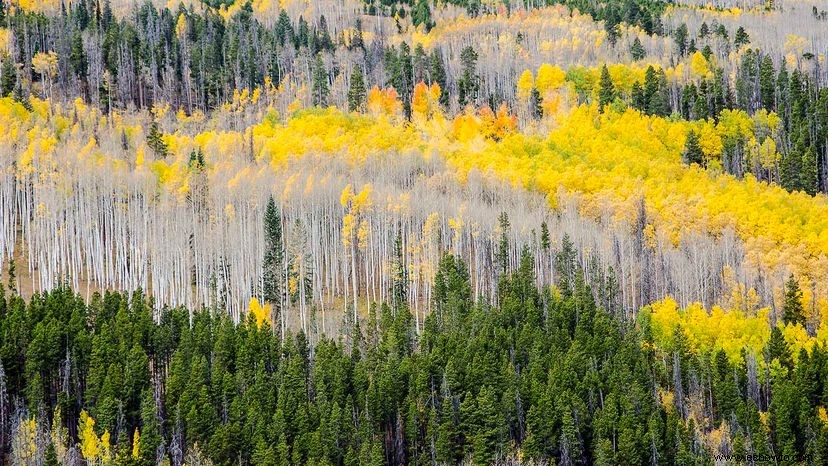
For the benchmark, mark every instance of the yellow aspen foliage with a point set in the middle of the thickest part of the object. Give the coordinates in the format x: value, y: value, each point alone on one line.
x: 90, y: 445
x: 710, y: 141
x: 384, y: 101
x: 497, y: 125
x: 38, y: 6
x: 823, y: 415
x: 425, y: 100
x: 729, y: 330
x: 181, y: 26
x: 525, y: 85
x: 549, y: 77
x: 136, y: 444
x: 700, y: 66
x: 45, y: 63
x: 262, y: 313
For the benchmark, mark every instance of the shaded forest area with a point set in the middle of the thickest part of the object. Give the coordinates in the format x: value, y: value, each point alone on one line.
x: 538, y: 376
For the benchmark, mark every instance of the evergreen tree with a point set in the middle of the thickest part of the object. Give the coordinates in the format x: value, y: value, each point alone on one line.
x: 680, y: 37
x: 399, y: 292
x: 606, y: 93
x: 536, y: 103
x: 320, y: 83
x: 741, y: 38
x: 637, y: 50
x: 356, y: 91
x: 502, y: 255
x: 8, y: 76
x: 809, y: 178
x: 637, y: 98
x: 421, y: 14
x: 273, y: 262
x: 468, y: 84
x: 792, y: 310
x: 692, y: 150
x: 767, y: 87
x: 155, y: 141
x: 437, y: 73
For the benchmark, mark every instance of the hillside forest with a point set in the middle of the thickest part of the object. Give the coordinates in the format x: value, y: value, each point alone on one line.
x: 416, y: 232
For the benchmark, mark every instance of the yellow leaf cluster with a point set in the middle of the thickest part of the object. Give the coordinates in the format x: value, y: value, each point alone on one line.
x: 262, y: 314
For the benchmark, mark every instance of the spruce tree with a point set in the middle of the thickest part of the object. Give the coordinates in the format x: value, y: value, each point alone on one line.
x: 421, y: 14
x: 606, y: 93
x: 767, y: 87
x: 273, y: 262
x: 399, y: 291
x: 155, y: 141
x: 792, y: 310
x: 356, y: 91
x: 8, y: 76
x: 320, y: 83
x: 741, y: 38
x: 680, y: 37
x: 468, y: 85
x: 437, y: 74
x: 536, y: 103
x: 692, y: 150
x: 809, y: 178
x: 637, y: 50
x: 502, y: 255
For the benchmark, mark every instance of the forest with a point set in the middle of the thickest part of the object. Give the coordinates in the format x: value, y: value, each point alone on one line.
x: 258, y: 232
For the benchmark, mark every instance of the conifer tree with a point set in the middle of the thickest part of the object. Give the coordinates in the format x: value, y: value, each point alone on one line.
x: 356, y: 91
x: 273, y: 262
x: 399, y: 275
x: 692, y: 150
x: 809, y: 178
x: 606, y: 93
x: 320, y: 83
x: 637, y: 50
x: 502, y: 254
x: 792, y: 310
x: 155, y: 142
x: 468, y: 84
x: 536, y: 103
x: 437, y: 74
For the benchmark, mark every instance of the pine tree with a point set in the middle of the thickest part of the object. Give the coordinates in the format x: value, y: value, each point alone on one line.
x: 284, y: 29
x: 637, y: 50
x: 791, y: 168
x: 155, y: 141
x: 8, y: 76
x: 606, y: 93
x: 486, y: 431
x: 12, y: 276
x: 437, y: 74
x: 421, y: 14
x: 273, y: 262
x: 692, y: 150
x: 77, y: 56
x: 637, y: 99
x: 767, y: 87
x: 680, y: 37
x: 792, y: 310
x: 468, y: 85
x: 502, y: 254
x: 536, y: 103
x: 809, y: 178
x: 545, y: 242
x: 356, y: 91
x: 741, y: 38
x: 400, y: 275
x: 320, y: 83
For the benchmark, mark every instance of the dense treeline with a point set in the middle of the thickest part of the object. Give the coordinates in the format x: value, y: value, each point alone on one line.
x: 539, y: 375
x: 198, y: 58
